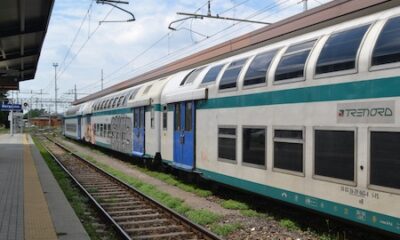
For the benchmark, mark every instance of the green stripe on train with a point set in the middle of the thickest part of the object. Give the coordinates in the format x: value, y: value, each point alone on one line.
x: 362, y: 216
x: 378, y: 88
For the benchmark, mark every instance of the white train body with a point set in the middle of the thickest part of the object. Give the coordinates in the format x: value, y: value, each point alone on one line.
x: 321, y: 132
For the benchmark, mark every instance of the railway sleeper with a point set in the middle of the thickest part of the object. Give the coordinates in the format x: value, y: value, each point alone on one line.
x: 111, y: 204
x: 127, y: 213
x: 105, y: 193
x: 128, y: 207
x: 137, y: 217
x: 146, y: 223
x: 176, y: 235
x: 157, y: 229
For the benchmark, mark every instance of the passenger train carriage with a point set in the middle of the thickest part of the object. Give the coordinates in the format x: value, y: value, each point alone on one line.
x: 312, y: 120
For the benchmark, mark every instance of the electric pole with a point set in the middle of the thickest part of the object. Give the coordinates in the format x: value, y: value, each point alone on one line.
x: 102, y: 79
x: 55, y: 65
x: 305, y: 5
x: 75, y: 94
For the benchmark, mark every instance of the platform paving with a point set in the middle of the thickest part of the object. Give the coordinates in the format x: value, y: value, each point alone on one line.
x: 32, y: 205
x: 11, y: 187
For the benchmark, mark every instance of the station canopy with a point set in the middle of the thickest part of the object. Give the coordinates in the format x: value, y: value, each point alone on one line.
x: 23, y: 26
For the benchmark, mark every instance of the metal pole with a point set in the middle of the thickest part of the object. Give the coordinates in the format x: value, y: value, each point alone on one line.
x: 41, y: 99
x: 102, y: 80
x: 305, y: 5
x: 55, y: 65
x: 12, y: 123
x: 75, y: 94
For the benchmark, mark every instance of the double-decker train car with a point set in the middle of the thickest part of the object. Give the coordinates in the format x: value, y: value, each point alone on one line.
x: 311, y: 120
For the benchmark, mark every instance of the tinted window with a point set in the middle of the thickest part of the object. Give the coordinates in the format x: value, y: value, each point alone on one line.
x: 231, y: 74
x: 288, y: 150
x: 177, y: 117
x: 188, y: 116
x: 147, y: 89
x: 292, y: 63
x: 227, y: 144
x: 136, y: 118
x: 340, y: 51
x: 387, y: 48
x: 212, y: 74
x: 385, y: 159
x: 165, y: 117
x: 254, y: 146
x: 334, y: 154
x: 257, y: 71
x: 191, y: 76
x: 142, y: 117
x: 133, y: 93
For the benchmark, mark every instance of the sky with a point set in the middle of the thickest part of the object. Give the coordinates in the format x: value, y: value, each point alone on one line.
x: 83, y: 47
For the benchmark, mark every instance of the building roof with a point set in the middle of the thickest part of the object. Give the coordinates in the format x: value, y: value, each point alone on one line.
x: 23, y: 26
x: 323, y: 16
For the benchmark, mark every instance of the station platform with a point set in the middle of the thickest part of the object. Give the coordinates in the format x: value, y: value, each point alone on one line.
x: 32, y: 205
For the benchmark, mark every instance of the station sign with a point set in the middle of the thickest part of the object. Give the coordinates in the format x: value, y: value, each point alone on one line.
x: 11, y: 107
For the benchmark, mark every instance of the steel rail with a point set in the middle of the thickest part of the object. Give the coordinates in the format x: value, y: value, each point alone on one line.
x: 186, y: 223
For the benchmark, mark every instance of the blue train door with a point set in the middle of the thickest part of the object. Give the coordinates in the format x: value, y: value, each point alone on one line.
x: 184, y: 124
x: 79, y: 127
x: 138, y: 131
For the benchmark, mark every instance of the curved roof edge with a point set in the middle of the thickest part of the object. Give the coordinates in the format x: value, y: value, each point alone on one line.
x: 325, y: 15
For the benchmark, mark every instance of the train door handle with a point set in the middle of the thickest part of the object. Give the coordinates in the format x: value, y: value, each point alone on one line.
x: 182, y: 139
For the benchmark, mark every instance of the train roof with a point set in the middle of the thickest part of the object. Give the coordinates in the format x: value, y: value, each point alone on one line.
x: 323, y: 16
x: 149, y: 93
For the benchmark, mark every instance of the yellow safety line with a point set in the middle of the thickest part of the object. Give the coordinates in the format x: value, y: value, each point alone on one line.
x: 37, y: 221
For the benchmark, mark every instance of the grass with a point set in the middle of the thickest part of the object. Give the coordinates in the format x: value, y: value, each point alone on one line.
x: 289, y: 224
x: 4, y: 130
x: 167, y: 178
x: 235, y: 205
x: 79, y: 202
x: 225, y: 229
x: 202, y: 217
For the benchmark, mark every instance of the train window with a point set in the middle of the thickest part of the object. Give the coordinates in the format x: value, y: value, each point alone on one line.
x: 231, y: 74
x: 227, y: 143
x: 334, y: 154
x: 188, y: 116
x: 136, y: 118
x: 177, y: 117
x: 120, y: 101
x: 288, y: 150
x: 152, y: 116
x: 340, y: 51
x: 387, y: 48
x: 385, y: 159
x: 165, y: 117
x: 147, y: 89
x: 292, y: 64
x: 142, y: 117
x: 191, y: 76
x: 133, y: 93
x: 114, y: 102
x: 212, y: 74
x: 258, y: 68
x: 254, y: 146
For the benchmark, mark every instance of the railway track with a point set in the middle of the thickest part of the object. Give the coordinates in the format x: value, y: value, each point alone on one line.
x: 132, y: 214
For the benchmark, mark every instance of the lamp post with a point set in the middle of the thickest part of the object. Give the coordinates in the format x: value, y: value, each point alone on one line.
x: 55, y: 65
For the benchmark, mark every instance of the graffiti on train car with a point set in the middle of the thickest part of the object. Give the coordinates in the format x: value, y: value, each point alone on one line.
x: 121, y: 133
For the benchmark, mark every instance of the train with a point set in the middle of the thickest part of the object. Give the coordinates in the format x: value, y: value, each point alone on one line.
x: 311, y: 120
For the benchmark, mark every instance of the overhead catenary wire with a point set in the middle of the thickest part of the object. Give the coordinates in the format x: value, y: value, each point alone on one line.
x: 268, y: 7
x: 84, y: 44
x: 199, y: 44
x: 143, y: 52
x: 76, y: 35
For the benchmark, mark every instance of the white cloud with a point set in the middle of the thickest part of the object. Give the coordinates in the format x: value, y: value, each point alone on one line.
x: 115, y: 44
